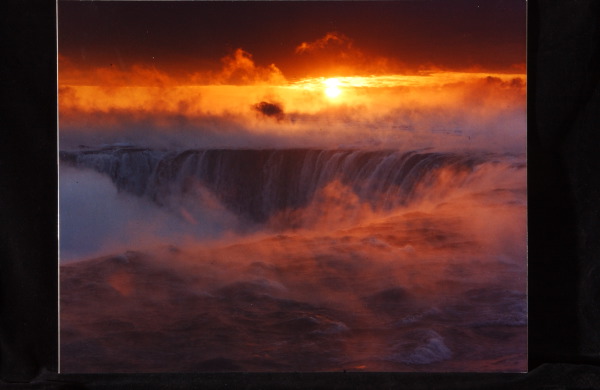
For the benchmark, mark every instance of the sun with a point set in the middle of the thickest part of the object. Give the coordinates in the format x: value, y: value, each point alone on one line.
x: 332, y: 89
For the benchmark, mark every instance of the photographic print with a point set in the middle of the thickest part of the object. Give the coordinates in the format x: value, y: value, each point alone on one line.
x: 292, y: 186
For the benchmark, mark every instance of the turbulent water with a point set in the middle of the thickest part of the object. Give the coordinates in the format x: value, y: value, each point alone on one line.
x: 292, y: 260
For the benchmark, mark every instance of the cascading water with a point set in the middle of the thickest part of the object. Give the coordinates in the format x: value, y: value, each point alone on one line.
x: 292, y: 260
x: 256, y: 184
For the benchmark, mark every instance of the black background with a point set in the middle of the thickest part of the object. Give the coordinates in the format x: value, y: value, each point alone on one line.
x: 564, y: 214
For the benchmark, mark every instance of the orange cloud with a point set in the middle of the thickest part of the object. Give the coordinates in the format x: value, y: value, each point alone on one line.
x: 239, y: 69
x: 336, y: 54
x: 387, y: 108
x: 331, y: 39
x: 137, y: 75
x: 448, y: 108
x: 112, y: 76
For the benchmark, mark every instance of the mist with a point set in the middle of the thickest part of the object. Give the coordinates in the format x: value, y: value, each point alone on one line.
x: 96, y: 219
x: 239, y: 221
x: 347, y: 281
x: 454, y: 110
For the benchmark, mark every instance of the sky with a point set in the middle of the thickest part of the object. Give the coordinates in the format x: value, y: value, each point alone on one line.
x: 212, y: 71
x: 183, y: 36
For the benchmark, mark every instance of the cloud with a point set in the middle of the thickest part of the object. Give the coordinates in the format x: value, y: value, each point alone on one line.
x: 239, y: 68
x: 337, y: 53
x: 220, y: 108
x: 137, y: 75
x: 272, y: 110
x: 97, y: 219
x: 113, y: 76
x: 328, y: 41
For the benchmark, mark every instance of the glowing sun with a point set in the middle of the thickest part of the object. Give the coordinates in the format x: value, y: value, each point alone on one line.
x: 332, y: 88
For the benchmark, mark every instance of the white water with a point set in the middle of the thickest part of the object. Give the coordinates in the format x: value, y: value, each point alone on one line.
x: 293, y: 260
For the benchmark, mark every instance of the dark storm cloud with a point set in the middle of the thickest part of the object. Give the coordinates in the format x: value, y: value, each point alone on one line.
x: 272, y: 110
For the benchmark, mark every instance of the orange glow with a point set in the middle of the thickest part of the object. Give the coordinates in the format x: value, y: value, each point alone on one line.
x: 307, y: 96
x: 122, y: 282
x: 385, y: 109
x: 332, y: 89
